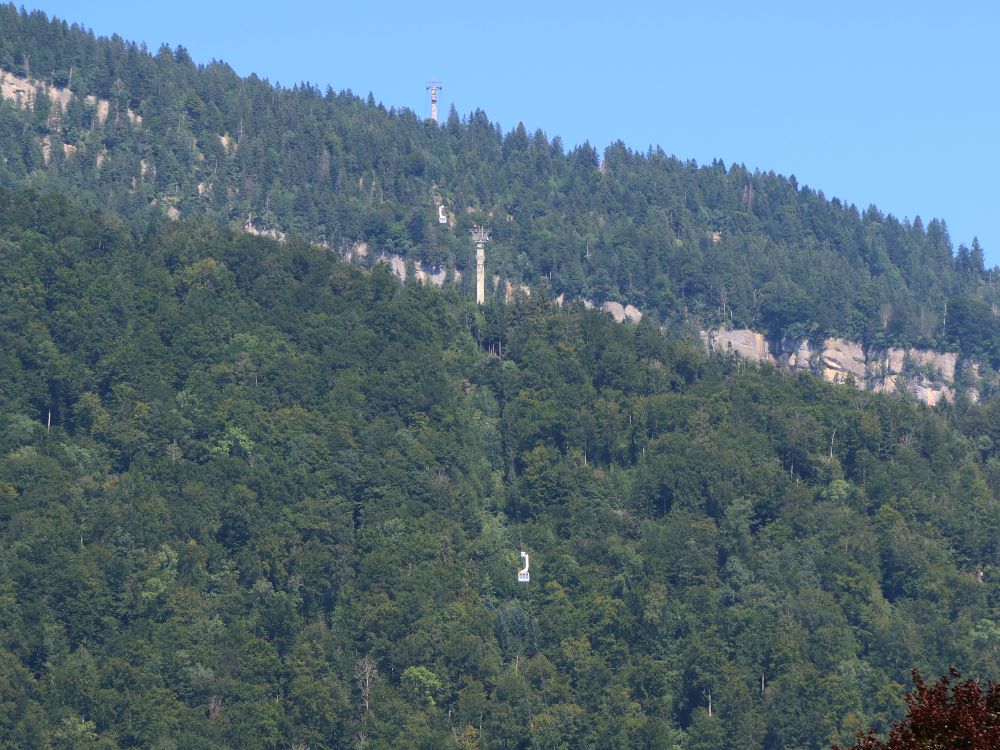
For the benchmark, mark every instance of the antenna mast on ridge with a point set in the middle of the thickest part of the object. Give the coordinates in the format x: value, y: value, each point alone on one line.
x: 434, y: 85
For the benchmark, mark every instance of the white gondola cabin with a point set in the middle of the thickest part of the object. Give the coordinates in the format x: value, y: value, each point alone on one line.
x: 522, y: 575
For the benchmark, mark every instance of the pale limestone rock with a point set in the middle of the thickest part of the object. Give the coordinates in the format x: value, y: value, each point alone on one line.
x: 437, y: 278
x: 21, y: 96
x: 799, y: 353
x: 520, y: 289
x: 879, y: 370
x: 23, y: 92
x: 943, y: 362
x: 895, y: 359
x: 742, y: 341
x: 930, y: 393
x: 102, y: 106
x: 60, y: 96
x: 616, y: 310
x: 885, y: 368
x: 398, y: 266
x: 841, y: 359
x: 274, y: 234
x: 17, y: 90
x: 358, y: 250
x: 888, y: 384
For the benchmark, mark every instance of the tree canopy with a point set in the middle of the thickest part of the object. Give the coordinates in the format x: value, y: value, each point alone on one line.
x: 254, y: 496
x: 281, y: 501
x: 944, y: 716
x: 156, y: 135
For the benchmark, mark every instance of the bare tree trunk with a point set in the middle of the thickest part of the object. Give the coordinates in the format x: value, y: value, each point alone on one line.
x: 365, y: 674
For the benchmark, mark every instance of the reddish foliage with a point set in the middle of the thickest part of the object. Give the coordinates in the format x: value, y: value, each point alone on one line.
x: 944, y: 716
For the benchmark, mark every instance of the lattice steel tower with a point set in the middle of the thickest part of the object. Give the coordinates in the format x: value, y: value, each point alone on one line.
x: 434, y: 85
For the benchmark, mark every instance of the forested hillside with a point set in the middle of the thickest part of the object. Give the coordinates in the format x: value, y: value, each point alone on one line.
x: 155, y: 135
x: 281, y: 501
x: 252, y: 496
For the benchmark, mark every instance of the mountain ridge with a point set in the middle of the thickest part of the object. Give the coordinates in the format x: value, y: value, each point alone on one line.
x: 25, y: 92
x: 719, y: 244
x: 252, y: 496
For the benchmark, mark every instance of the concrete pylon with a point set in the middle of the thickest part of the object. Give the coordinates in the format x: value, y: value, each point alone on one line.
x: 480, y: 274
x: 479, y: 237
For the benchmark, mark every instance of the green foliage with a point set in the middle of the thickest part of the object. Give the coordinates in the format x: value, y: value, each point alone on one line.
x: 281, y: 500
x: 944, y: 716
x: 422, y: 683
x: 155, y: 135
x: 263, y: 463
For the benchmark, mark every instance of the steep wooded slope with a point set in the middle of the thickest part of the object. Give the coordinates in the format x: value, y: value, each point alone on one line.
x: 281, y: 502
x: 157, y: 135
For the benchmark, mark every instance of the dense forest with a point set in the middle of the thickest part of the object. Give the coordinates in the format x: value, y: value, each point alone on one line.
x: 281, y: 501
x: 150, y: 135
x: 252, y: 496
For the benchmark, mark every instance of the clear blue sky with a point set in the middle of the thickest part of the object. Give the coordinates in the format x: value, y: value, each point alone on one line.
x: 891, y: 103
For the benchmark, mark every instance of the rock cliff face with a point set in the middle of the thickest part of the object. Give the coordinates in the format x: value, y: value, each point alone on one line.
x: 438, y: 277
x: 742, y: 341
x: 22, y: 93
x: 929, y: 376
x: 622, y: 312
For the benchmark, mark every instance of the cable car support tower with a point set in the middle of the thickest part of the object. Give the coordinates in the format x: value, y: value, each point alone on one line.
x: 479, y: 237
x: 434, y: 85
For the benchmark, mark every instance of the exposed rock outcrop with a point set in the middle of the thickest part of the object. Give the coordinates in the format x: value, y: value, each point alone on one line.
x: 842, y: 361
x: 928, y: 375
x: 23, y: 92
x: 742, y: 341
x: 622, y: 312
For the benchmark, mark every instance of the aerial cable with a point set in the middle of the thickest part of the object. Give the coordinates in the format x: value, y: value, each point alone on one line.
x: 523, y: 575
